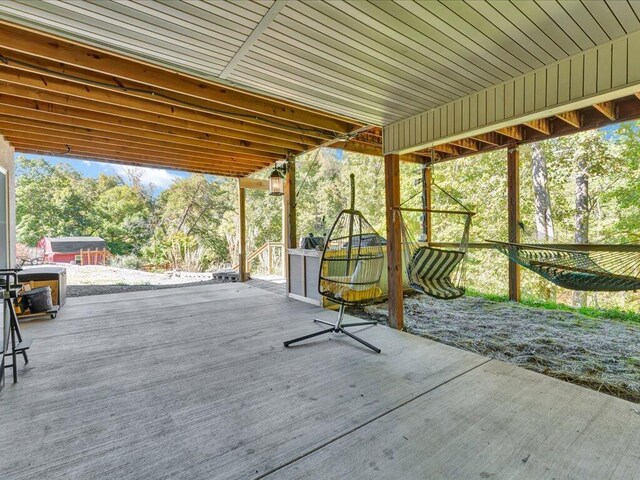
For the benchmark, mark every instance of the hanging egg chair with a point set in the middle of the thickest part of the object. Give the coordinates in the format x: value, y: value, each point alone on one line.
x: 350, y: 268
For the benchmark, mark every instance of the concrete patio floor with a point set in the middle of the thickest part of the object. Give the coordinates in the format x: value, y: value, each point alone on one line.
x: 194, y: 383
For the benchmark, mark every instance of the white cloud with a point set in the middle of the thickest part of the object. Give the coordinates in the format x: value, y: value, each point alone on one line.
x: 159, y: 177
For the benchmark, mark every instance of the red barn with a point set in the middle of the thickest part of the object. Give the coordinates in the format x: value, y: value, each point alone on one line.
x: 80, y: 250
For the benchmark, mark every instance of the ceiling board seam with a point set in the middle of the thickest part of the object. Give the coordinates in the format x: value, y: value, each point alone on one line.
x: 251, y: 39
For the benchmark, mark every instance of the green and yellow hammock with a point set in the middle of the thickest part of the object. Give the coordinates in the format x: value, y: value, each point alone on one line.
x: 595, y: 271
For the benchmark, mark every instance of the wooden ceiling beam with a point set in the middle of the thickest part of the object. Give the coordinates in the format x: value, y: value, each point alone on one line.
x: 109, y: 144
x: 608, y: 109
x: 491, y: 138
x: 43, y: 120
x: 516, y: 132
x: 20, y: 39
x: 467, y: 144
x: 120, y: 124
x: 141, y: 120
x: 161, y: 160
x: 129, y: 163
x: 60, y: 148
x: 254, y: 184
x: 87, y: 78
x: 446, y: 148
x: 149, y: 109
x: 358, y: 147
x: 541, y: 125
x: 572, y: 118
x: 62, y: 131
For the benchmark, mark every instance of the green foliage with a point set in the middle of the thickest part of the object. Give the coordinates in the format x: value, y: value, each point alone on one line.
x: 194, y: 223
x: 52, y: 201
x: 187, y: 225
x: 180, y: 229
x: 122, y: 215
x: 129, y: 261
x: 56, y: 200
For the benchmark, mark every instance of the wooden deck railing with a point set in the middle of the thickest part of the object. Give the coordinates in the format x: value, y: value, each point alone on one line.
x: 269, y: 248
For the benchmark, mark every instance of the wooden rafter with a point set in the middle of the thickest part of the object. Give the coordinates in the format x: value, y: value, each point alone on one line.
x: 57, y: 49
x: 129, y: 158
x: 97, y: 81
x: 627, y: 108
x: 608, y: 109
x: 358, y: 147
x: 63, y: 124
x: 57, y: 93
x: 105, y: 143
x: 145, y: 108
x: 542, y: 125
x: 491, y: 138
x: 514, y: 132
x: 60, y: 131
x: 467, y: 144
x: 106, y: 113
x: 130, y: 153
x: 572, y: 118
x: 116, y: 157
x: 446, y: 148
x: 53, y: 113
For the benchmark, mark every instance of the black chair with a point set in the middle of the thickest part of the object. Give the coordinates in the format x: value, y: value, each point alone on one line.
x: 350, y: 270
x: 13, y: 343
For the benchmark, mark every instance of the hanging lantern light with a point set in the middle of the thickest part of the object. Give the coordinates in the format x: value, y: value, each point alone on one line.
x: 276, y: 182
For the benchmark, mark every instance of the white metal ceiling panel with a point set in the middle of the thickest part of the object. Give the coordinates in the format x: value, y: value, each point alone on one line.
x: 377, y: 61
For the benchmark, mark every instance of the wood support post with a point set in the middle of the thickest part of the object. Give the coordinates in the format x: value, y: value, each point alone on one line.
x: 426, y: 203
x: 289, y: 233
x: 290, y: 205
x: 242, y: 260
x: 513, y: 202
x: 394, y: 240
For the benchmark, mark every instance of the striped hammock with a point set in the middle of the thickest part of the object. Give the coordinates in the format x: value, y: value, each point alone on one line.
x: 430, y: 271
x: 433, y: 271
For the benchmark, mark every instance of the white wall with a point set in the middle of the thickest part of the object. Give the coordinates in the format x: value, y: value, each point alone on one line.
x: 7, y: 161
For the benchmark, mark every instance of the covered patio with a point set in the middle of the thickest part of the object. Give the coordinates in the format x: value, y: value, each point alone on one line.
x: 195, y: 383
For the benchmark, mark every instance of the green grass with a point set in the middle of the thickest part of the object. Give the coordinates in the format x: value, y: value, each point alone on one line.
x: 591, y: 312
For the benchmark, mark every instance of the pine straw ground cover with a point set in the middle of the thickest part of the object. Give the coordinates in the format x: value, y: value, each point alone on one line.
x: 599, y: 353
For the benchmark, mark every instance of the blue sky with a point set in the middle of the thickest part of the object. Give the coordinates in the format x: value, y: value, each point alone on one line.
x: 159, y: 177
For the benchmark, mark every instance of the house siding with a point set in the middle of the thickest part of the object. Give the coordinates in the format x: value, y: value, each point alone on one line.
x: 602, y: 73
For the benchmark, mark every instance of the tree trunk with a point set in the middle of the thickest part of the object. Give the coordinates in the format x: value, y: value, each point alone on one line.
x: 582, y: 216
x: 542, y: 207
x: 544, y: 221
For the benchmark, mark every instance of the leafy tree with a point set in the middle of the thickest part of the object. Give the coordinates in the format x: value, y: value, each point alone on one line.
x: 51, y: 201
x: 122, y: 216
x: 188, y: 217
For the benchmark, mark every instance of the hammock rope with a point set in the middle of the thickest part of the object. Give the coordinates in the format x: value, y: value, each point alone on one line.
x: 437, y: 272
x: 594, y: 271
